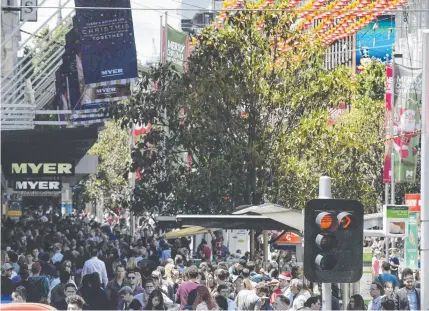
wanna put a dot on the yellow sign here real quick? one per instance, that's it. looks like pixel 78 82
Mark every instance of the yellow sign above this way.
pixel 14 213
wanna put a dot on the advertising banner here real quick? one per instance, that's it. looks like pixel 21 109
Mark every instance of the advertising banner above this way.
pixel 411 243
pixel 413 201
pixel 61 96
pixel 395 220
pixel 407 105
pixel 387 169
pixel 108 47
pixel 375 41
pixel 70 63
pixel 176 49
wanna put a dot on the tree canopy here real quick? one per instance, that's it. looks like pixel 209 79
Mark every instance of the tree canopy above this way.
pixel 249 122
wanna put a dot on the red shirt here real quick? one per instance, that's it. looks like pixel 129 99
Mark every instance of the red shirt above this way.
pixel 207 253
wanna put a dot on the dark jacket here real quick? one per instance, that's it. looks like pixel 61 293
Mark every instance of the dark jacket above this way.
pixel 401 299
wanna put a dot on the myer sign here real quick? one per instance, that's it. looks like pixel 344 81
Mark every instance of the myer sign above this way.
pixel 42 169
pixel 37 185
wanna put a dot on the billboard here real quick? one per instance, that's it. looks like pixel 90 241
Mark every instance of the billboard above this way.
pixel 107 42
pixel 376 40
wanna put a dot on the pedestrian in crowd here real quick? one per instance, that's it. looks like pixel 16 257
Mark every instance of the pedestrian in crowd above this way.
pixel 40 282
pixel 75 303
pixel 394 262
pixel 408 297
pixel 69 290
pixel 95 265
pixel 313 303
pixel 19 295
pixel 281 303
pixel 386 276
pixel 356 302
pixel 77 263
pixel 156 301
pixel 376 291
pixel 204 301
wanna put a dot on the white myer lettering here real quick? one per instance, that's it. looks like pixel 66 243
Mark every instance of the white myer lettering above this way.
pixel 106 90
pixel 112 72
pixel 42 169
pixel 41 185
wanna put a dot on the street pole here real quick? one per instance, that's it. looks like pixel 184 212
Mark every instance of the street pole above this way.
pixel 132 183
pixel 386 201
pixel 424 185
pixel 325 193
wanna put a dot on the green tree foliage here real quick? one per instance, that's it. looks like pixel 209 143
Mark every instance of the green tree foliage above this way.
pixel 351 151
pixel 113 151
pixel 241 98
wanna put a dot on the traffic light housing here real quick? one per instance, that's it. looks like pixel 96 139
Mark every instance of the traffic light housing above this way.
pixel 333 241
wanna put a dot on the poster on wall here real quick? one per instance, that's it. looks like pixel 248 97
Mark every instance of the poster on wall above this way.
pixel 375 41
pixel 395 220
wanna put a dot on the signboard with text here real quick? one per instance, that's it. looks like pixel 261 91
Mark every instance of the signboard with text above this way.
pixel 37 185
pixel 395 220
pixel 41 169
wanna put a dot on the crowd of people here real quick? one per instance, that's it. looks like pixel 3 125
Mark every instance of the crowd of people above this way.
pixel 75 263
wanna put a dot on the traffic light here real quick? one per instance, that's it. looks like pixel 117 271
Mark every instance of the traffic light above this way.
pixel 333 241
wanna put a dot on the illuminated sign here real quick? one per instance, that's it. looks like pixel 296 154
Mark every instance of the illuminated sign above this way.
pixel 42 169
pixel 37 185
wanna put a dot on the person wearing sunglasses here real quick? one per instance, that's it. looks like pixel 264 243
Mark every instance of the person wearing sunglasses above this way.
pixel 133 283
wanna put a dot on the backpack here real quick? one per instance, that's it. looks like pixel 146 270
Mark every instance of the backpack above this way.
pixel 39 289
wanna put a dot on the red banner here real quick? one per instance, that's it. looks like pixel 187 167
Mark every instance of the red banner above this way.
pixel 387 170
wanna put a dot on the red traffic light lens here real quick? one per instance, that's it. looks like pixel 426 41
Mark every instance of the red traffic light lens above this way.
pixel 326 262
pixel 346 220
pixel 326 242
pixel 327 222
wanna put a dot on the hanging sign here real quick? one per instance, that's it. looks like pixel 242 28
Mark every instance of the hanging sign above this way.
pixel 413 201
pixel 411 243
pixel 395 220
pixel 37 185
pixel 28 11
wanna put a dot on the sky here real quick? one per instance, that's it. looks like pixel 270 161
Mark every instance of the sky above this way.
pixel 146 23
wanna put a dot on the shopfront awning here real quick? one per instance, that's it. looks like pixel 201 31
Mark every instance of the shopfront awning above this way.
pixel 233 222
pixel 58 145
pixel 186 232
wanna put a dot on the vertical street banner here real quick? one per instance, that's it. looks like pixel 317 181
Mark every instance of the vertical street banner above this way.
pixel 407 106
pixel 387 168
pixel 411 243
pixel 61 96
pixel 70 63
pixel 176 50
pixel 108 47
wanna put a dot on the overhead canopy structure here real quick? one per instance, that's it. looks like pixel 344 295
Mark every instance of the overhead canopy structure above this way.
pixel 289 217
pixel 57 145
pixel 186 232
pixel 249 222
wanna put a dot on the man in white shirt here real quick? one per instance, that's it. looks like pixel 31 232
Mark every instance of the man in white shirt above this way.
pixel 95 265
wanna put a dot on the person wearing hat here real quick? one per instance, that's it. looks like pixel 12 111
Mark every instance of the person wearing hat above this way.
pixel 282 287
pixel 6 282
